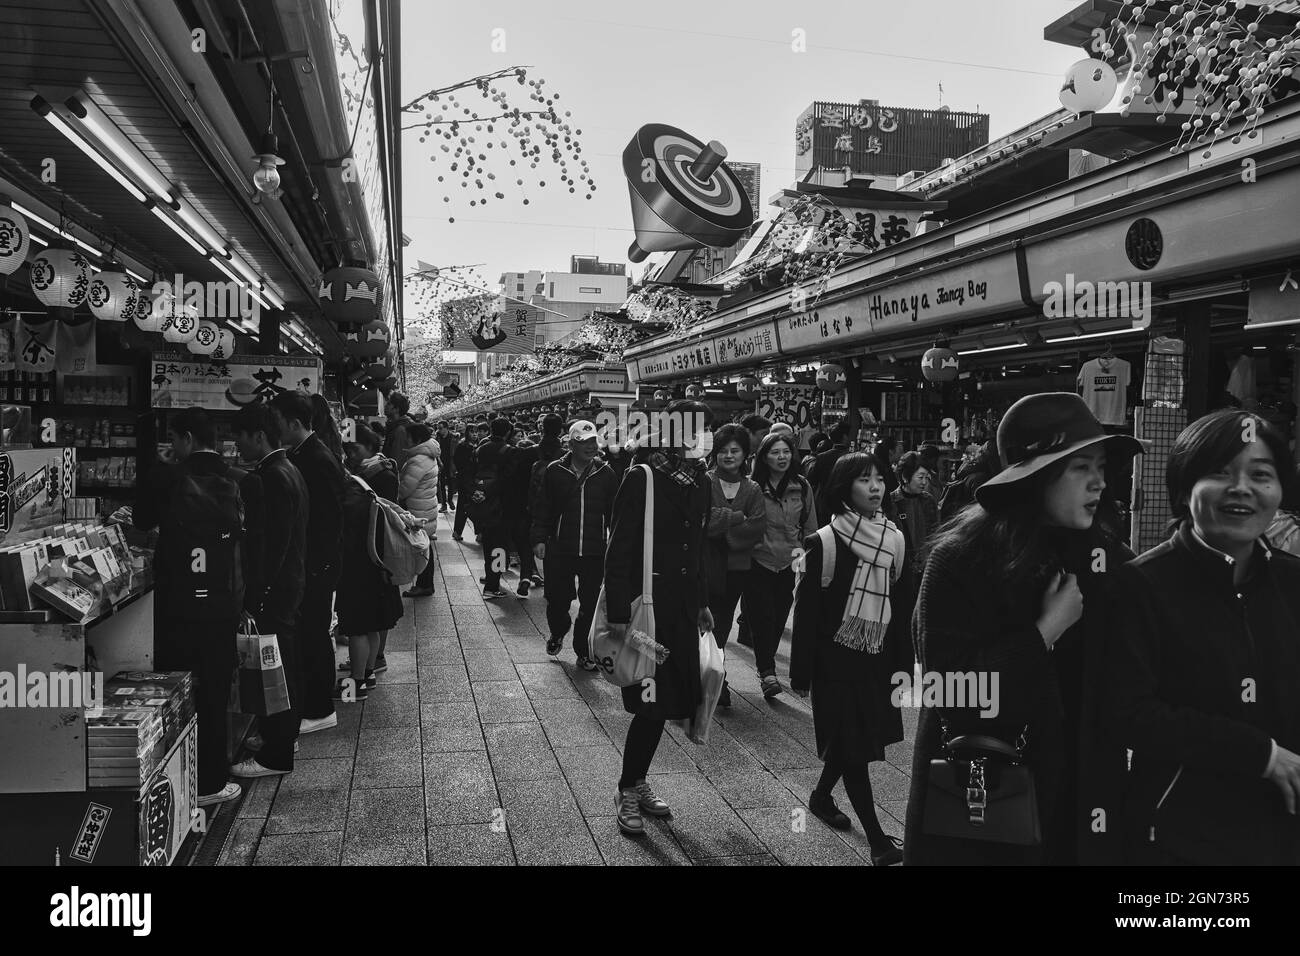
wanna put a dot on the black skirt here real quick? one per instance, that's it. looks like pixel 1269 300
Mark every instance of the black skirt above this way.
pixel 854 718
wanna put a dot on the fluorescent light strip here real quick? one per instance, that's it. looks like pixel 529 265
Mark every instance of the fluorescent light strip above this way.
pixel 94 154
pixel 258 296
pixel 1093 335
pixel 201 228
pixel 994 348
pixel 35 238
pixel 121 147
pixel 243 268
pixel 1271 325
pixel 176 228
pixel 137 277
pixel 216 261
pixel 274 299
pixel 55 229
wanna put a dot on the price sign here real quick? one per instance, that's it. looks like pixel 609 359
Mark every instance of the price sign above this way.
pixel 793 404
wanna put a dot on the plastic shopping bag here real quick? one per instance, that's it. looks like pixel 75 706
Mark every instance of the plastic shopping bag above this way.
pixel 263 686
pixel 712 672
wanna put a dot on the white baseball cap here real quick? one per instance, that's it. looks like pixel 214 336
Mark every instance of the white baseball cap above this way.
pixel 581 431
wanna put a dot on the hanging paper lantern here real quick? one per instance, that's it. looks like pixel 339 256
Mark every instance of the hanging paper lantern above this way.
pixel 695 390
pixel 379 369
pixel 61 278
pixel 747 388
pixel 830 378
pixel 15 238
pixel 1089 86
pixel 225 347
pixel 662 397
pixel 113 295
pixel 149 313
pixel 181 323
pixel 205 338
pixel 349 295
pixel 939 364
pixel 369 341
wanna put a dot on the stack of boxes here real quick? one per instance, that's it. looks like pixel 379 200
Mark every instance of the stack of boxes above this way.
pixel 95 553
pixel 143 716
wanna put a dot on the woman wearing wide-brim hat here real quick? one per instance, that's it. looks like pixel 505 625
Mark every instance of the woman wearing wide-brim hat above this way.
pixel 1017 587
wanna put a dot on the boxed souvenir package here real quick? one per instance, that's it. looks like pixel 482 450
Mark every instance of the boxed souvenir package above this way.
pixel 144 714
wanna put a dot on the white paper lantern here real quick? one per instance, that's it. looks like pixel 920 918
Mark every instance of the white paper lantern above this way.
pixel 205 339
pixel 15 239
pixel 225 346
pixel 181 324
pixel 61 278
pixel 148 316
pixel 1089 86
pixel 113 295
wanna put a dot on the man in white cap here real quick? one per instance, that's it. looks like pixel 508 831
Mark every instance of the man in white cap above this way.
pixel 571 517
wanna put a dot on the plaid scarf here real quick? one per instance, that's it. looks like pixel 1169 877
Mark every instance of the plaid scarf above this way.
pixel 879 547
pixel 684 471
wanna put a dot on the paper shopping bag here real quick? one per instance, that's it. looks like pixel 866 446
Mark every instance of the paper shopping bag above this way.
pixel 263 686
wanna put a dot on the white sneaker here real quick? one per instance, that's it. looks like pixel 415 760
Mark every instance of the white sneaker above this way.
pixel 309 725
pixel 230 791
pixel 251 768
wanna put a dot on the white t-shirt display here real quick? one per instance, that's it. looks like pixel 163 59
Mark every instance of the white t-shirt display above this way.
pixel 1105 384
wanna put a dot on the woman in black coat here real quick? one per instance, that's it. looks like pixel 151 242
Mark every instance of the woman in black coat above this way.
pixel 1206 665
pixel 682 498
pixel 853 715
pixel 1019 589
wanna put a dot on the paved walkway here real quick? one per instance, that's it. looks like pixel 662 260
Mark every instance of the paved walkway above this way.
pixel 478 748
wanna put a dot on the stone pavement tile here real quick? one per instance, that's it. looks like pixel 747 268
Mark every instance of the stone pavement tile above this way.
pixel 569 723
pixel 440 628
pixel 897 809
pixel 900 755
pixel 888 783
pixel 401 668
pixel 723 754
pixel 520 752
pixel 671 757
pixel 388 757
pixel 459 788
pixel 816 845
pixel 602 758
pixel 771 745
pixel 241 844
pixel 545 825
pixel 656 848
pixel 259 793
pixel 474 844
pixel 480 637
pixel 440 683
pixel 475 615
pixel 340 741
pixel 501 702
pixel 400 640
pixel 519 627
pixel 702 822
pixel 300 849
pixel 757 859
pixel 450 727
pixel 547 682
pixel 599 693
pixel 392 705
pixel 526 650
pixel 594 790
pixel 615 723
pixel 753 789
pixel 385 828
pixel 465 597
pixel 313 798
pixel 487 665
pixel 438 651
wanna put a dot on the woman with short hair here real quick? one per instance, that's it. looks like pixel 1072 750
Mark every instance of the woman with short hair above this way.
pixel 1205 664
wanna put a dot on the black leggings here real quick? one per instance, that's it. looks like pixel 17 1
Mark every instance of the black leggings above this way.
pixel 639 749
pixel 857 784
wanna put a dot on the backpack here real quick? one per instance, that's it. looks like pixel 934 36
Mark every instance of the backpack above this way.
pixel 396 540
pixel 827 537
pixel 205 520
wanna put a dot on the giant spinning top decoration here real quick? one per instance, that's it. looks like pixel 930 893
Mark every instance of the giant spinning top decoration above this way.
pixel 683 194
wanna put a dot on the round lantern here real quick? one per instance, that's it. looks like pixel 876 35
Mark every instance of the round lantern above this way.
pixel 747 389
pixel 148 314
pixel 830 378
pixel 225 346
pixel 15 238
pixel 205 338
pixel 349 295
pixel 939 364
pixel 368 341
pixel 113 295
pixel 1089 86
pixel 695 390
pixel 61 278
pixel 180 323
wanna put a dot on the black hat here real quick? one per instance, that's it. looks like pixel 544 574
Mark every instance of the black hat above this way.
pixel 1039 430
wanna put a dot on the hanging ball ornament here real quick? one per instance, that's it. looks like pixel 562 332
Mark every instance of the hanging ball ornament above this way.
pixel 1089 86
pixel 15 238
pixel 831 378
pixel 695 390
pixel 205 338
pixel 350 295
pixel 747 389
pixel 939 364
pixel 181 322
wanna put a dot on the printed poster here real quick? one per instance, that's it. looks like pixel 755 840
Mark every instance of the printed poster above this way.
pixel 180 381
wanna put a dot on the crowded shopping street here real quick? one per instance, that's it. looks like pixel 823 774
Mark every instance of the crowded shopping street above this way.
pixel 742 434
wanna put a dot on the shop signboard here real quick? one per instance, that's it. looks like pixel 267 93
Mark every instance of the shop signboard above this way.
pixel 698 358
pixel 177 381
pixel 794 404
pixel 605 381
pixel 748 346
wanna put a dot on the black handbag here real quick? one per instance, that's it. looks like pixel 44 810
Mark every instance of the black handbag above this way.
pixel 981 789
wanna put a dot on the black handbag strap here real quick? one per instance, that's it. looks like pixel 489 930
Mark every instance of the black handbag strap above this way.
pixel 981 745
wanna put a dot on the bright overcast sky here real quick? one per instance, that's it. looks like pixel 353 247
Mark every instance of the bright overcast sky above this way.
pixel 719 70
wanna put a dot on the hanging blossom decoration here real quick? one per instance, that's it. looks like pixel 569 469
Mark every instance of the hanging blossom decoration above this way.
pixel 1215 53
pixel 531 135
pixel 668 306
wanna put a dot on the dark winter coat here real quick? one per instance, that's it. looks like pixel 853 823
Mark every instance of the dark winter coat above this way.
pixel 277 594
pixel 325 478
pixel 961 492
pixel 571 517
pixel 966 620
pixel 463 464
pixel 679 582
pixel 1184 656
pixel 853 715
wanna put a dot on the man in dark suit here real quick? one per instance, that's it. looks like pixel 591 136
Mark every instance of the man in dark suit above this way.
pixel 323 475
pixel 274 589
pixel 193 634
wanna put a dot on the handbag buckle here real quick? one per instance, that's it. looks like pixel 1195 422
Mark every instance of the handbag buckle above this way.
pixel 976 795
